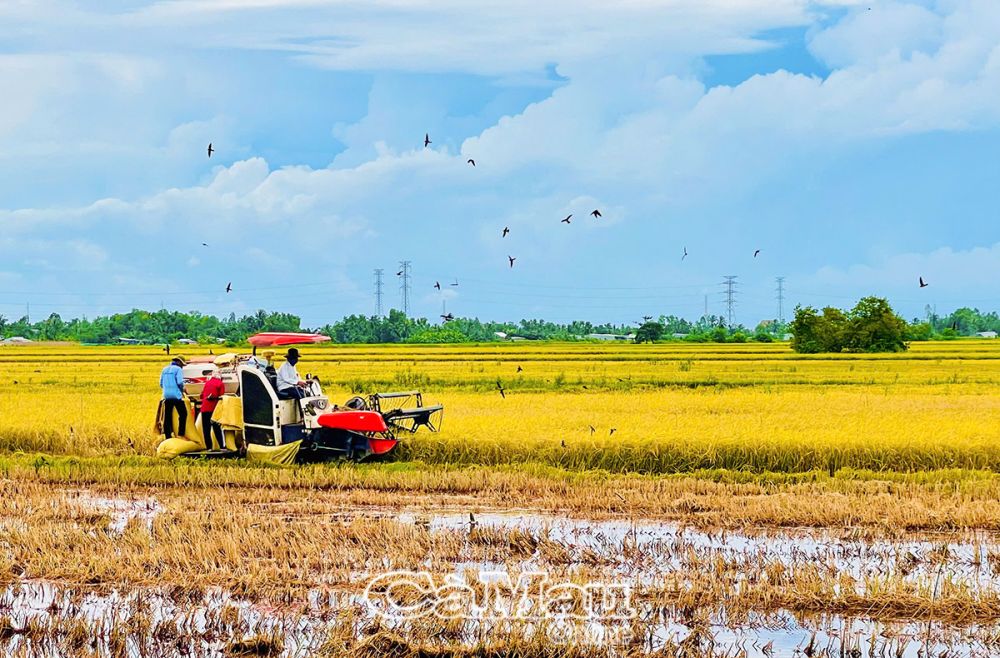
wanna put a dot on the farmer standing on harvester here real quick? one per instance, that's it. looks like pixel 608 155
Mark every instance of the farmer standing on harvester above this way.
pixel 212 392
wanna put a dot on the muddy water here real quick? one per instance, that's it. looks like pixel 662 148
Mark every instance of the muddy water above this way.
pixel 967 560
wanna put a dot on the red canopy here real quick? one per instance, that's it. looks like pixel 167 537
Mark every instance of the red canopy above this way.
pixel 275 338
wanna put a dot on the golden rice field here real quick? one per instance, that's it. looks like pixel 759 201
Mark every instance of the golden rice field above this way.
pixel 673 408
pixel 753 502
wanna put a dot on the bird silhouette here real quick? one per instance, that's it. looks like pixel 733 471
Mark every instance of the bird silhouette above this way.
pixel 210 149
pixel 685 253
pixel 399 273
pixel 647 318
pixel 511 259
pixel 592 430
pixel 427 140
pixel 923 284
pixel 471 162
pixel 204 244
pixel 566 220
pixel 447 317
pixel 229 287
pixel 596 213
pixel 500 388
pixel 437 284
pixel 613 430
pixel 755 253
pixel 506 230
pixel 520 369
pixel 456 282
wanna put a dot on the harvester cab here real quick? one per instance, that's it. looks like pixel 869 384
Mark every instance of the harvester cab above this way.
pixel 258 421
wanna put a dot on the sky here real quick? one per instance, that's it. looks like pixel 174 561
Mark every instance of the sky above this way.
pixel 852 142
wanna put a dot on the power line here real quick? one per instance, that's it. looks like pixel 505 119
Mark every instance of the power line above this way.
pixel 404 288
pixel 781 299
pixel 730 283
pixel 378 293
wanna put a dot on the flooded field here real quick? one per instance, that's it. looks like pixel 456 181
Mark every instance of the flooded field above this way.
pixel 677 589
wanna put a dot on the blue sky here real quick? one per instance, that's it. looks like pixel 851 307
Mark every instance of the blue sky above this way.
pixel 854 147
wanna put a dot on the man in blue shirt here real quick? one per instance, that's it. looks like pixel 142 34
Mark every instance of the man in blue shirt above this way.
pixel 172 383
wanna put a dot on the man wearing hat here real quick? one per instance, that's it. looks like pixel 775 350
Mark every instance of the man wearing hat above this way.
pixel 290 385
pixel 172 383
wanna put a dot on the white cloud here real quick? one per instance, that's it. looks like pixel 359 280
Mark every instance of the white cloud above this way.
pixel 954 278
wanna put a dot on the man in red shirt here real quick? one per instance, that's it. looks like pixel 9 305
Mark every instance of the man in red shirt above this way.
pixel 210 395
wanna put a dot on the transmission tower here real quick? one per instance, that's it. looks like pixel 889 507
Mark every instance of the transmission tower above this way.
pixel 730 283
pixel 404 287
pixel 781 299
pixel 378 293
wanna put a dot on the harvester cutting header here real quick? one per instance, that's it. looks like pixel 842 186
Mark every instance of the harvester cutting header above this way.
pixel 273 415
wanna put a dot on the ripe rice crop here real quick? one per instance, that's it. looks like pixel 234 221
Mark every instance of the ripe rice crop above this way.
pixel 674 408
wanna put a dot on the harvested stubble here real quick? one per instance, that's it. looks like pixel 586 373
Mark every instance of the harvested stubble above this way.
pixel 274 545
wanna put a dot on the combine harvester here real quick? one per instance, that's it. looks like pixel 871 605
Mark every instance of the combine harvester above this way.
pixel 258 425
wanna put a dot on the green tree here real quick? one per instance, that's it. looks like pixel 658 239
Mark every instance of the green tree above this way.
pixel 649 332
pixel 875 327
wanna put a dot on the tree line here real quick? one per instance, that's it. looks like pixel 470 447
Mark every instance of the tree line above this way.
pixel 828 329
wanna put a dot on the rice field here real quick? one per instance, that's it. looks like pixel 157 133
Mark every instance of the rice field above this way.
pixel 749 502
pixel 671 408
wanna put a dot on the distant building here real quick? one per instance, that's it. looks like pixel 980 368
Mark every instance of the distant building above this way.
pixel 127 341
pixel 678 335
pixel 187 341
pixel 987 334
pixel 609 337
pixel 787 337
pixel 16 340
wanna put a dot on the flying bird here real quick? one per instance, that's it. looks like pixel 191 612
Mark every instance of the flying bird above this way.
pixel 500 388
pixel 427 140
pixel 923 284
pixel 210 149
pixel 755 253
pixel 596 213
pixel 204 244
pixel 520 369
pixel 456 282
pixel 447 317
pixel 399 273
pixel 613 430
pixel 229 287
pixel 506 230
pixel 685 253
pixel 471 162
pixel 592 430
pixel 647 318
pixel 437 284
pixel 566 221
pixel 511 259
